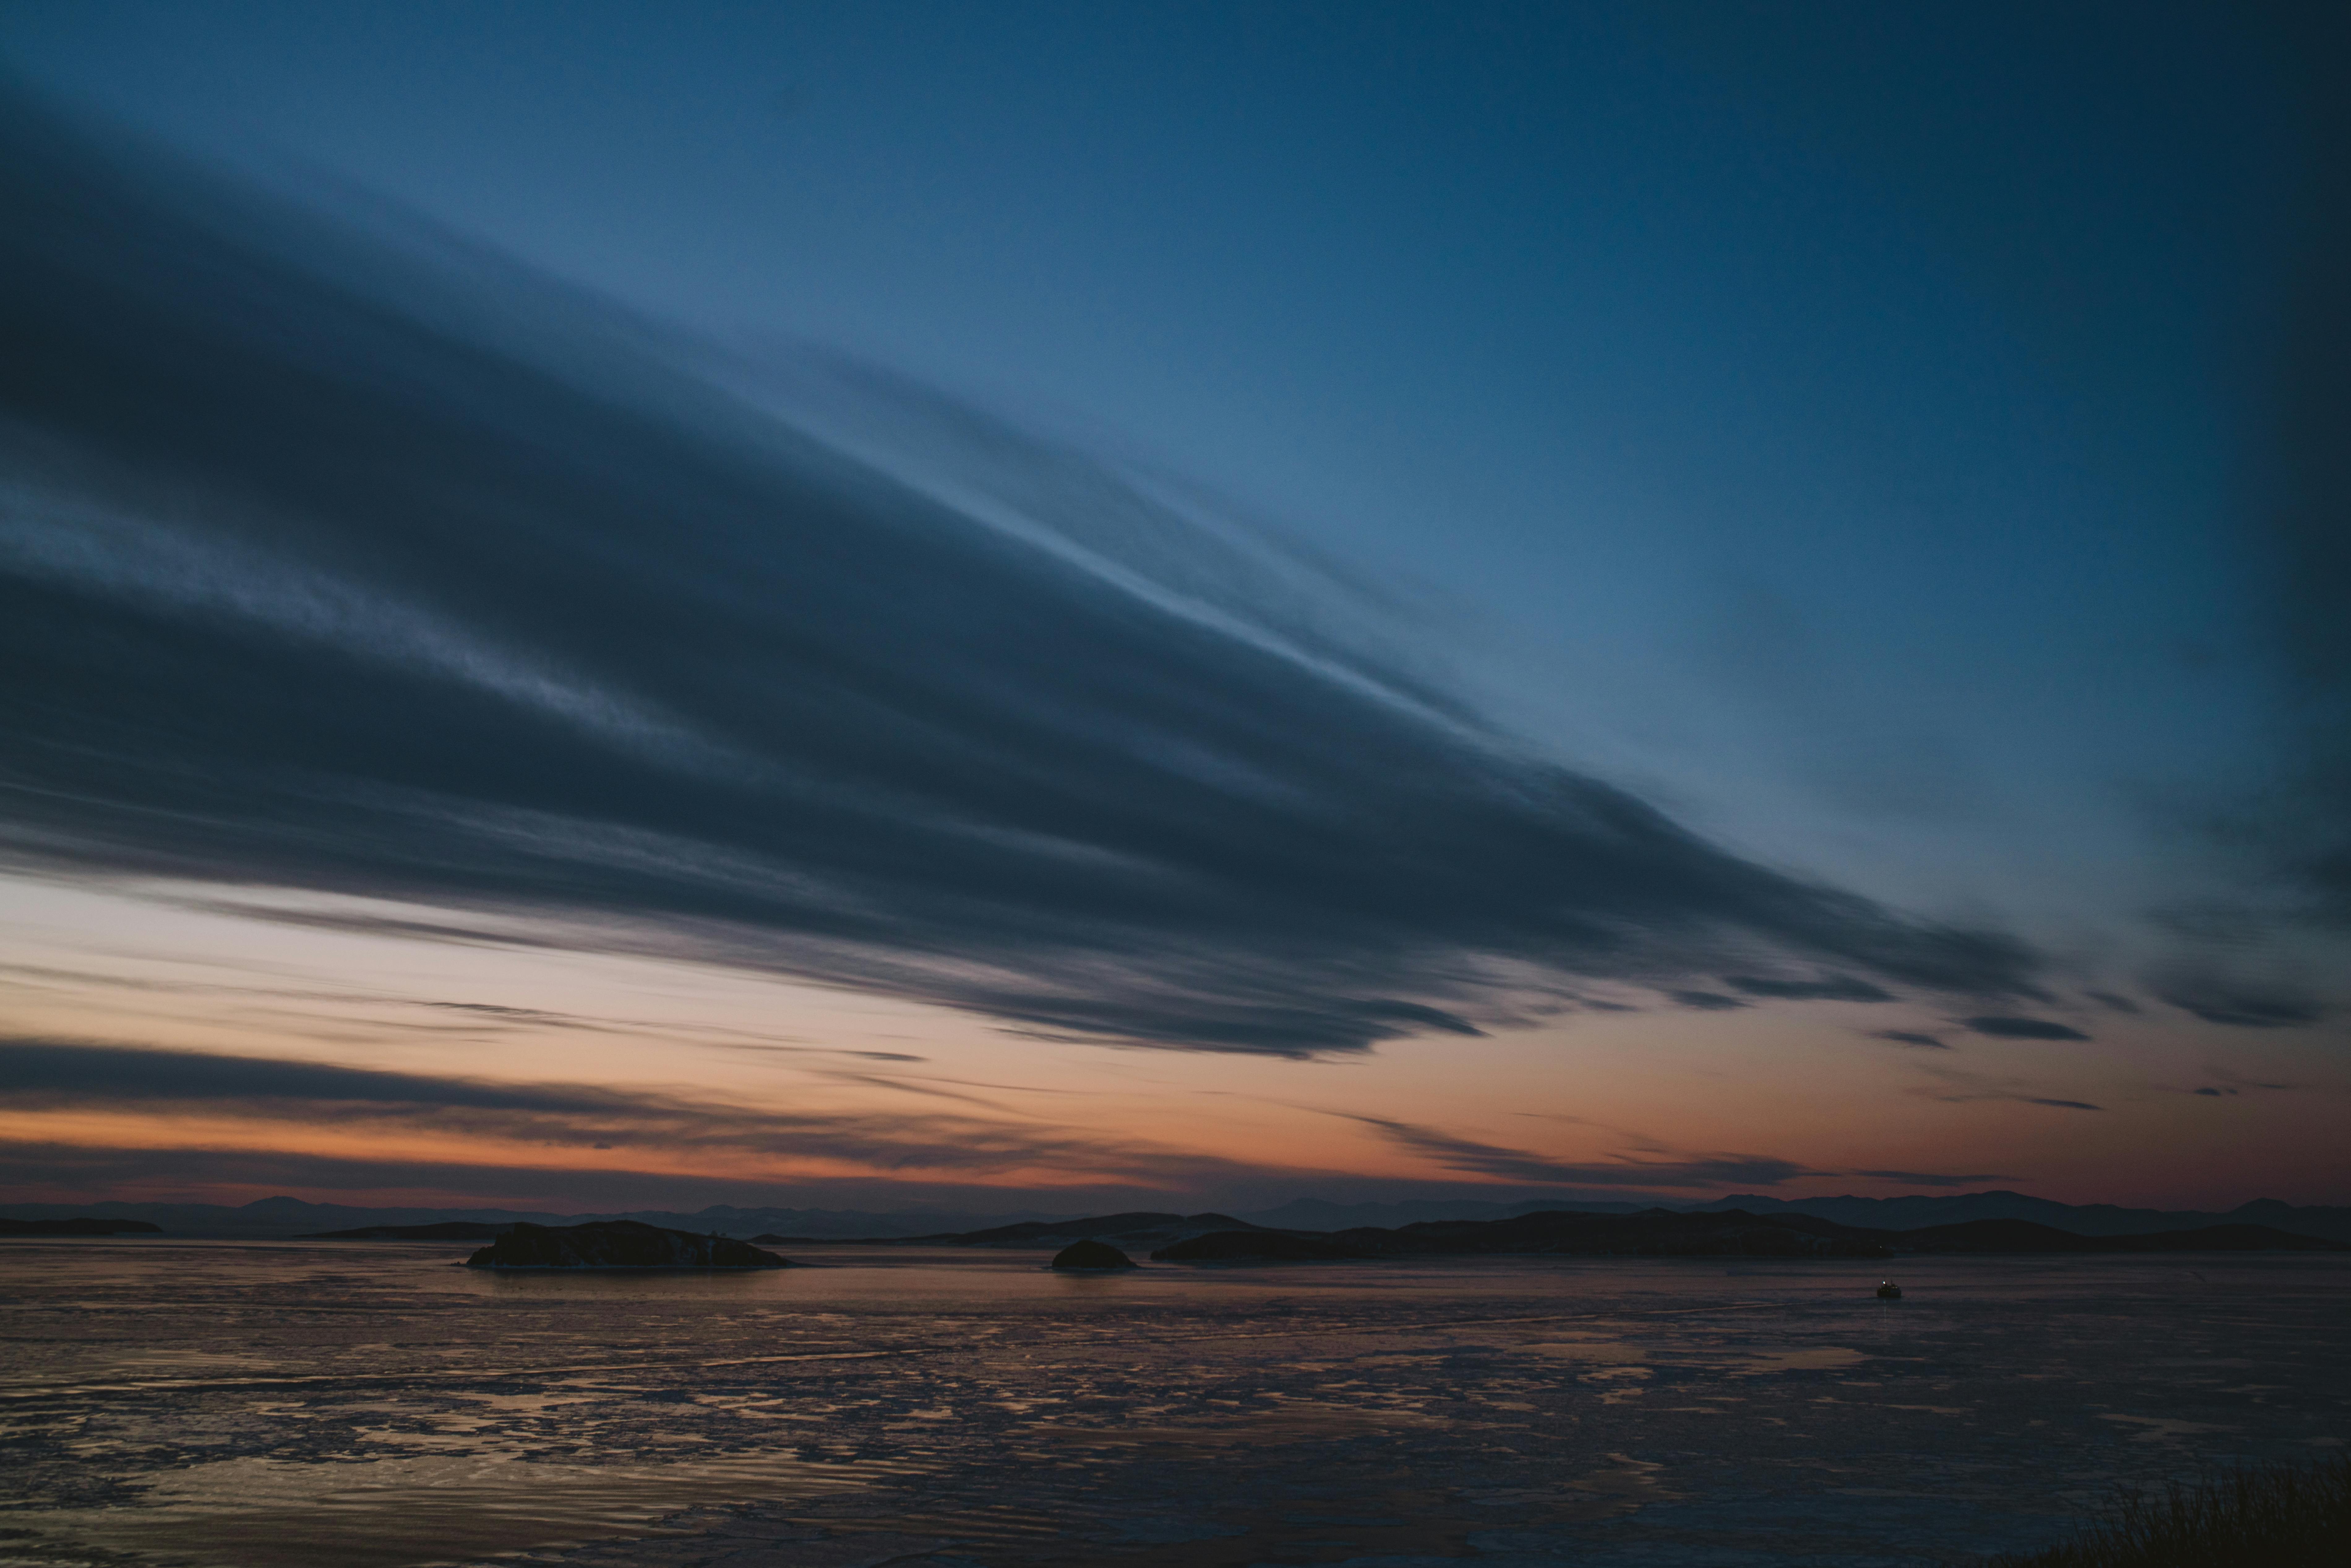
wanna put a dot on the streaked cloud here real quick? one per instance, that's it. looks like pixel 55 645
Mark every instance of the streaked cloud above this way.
pixel 2240 1004
pixel 40 1075
pixel 1954 1087
pixel 1825 988
pixel 437 587
pixel 2004 1027
pixel 1520 1166
pixel 1707 1001
pixel 1932 1178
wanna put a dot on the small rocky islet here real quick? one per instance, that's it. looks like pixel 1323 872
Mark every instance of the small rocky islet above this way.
pixel 619 1244
pixel 1091 1257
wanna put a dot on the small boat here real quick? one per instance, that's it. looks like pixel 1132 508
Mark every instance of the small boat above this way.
pixel 1887 1291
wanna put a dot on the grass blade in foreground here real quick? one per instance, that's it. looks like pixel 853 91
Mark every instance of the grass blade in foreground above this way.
pixel 2284 1518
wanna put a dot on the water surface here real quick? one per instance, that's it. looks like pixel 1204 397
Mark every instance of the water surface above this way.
pixel 224 1404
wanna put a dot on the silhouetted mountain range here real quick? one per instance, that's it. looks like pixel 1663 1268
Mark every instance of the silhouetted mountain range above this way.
pixel 1914 1212
pixel 1918 1212
pixel 79 1226
pixel 1142 1228
pixel 447 1230
pixel 288 1216
pixel 1707 1233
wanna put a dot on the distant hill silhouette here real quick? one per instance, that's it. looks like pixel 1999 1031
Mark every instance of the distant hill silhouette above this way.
pixel 1916 1212
pixel 618 1244
pixel 1652 1233
pixel 288 1216
pixel 1912 1212
pixel 447 1230
pixel 1666 1233
pixel 1138 1228
pixel 79 1226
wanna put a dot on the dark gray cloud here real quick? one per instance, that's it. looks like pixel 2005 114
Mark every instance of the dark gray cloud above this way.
pixel 2308 494
pixel 2001 1027
pixel 517 1015
pixel 1826 989
pixel 1707 1001
pixel 37 1171
pixel 913 1156
pixel 328 570
pixel 1953 1086
pixel 827 1051
pixel 1521 1166
pixel 2240 1004
pixel 41 1074
pixel 2226 1081
pixel 1909 1037
pixel 1934 1178
pixel 360 1011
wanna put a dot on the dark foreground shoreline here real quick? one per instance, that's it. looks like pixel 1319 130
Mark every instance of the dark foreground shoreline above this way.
pixel 2286 1516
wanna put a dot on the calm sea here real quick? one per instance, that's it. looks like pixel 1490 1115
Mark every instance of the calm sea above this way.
pixel 371 1406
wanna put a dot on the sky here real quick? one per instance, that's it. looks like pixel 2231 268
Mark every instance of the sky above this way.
pixel 996 606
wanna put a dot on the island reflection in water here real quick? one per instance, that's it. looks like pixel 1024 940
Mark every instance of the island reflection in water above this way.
pixel 368 1405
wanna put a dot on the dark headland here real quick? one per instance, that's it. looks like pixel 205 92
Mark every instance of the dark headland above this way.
pixel 79 1226
pixel 619 1244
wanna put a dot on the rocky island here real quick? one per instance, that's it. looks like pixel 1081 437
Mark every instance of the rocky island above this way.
pixel 619 1244
pixel 1091 1257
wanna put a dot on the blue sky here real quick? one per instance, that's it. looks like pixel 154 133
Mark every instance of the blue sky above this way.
pixel 1853 400
pixel 1843 428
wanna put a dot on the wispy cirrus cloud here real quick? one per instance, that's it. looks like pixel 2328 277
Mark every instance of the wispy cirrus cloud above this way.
pixel 354 1013
pixel 37 1170
pixel 1707 1001
pixel 2239 1002
pixel 1820 989
pixel 1933 1179
pixel 1953 1087
pixel 533 1138
pixel 324 570
pixel 2002 1027
pixel 1507 1164
pixel 42 1075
